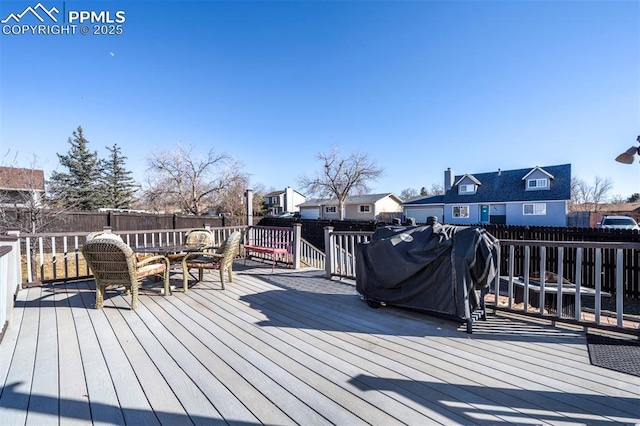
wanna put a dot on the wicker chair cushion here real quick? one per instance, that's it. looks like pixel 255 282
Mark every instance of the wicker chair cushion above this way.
pixel 152 269
pixel 204 263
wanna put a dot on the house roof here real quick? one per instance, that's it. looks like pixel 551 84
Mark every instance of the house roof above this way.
pixel 432 199
pixel 15 178
pixel 280 192
pixel 356 199
pixel 507 186
pixel 620 207
pixel 472 177
pixel 537 168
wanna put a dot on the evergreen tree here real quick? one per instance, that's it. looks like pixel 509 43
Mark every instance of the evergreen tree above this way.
pixel 79 188
pixel 118 184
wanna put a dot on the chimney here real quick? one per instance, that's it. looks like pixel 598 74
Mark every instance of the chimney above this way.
pixel 499 172
pixel 448 179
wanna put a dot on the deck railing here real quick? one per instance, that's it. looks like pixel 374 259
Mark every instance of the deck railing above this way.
pixel 340 251
pixel 50 257
pixel 581 302
pixel 57 257
pixel 9 278
pixel 310 256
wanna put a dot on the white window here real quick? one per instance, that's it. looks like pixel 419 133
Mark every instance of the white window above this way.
pixel 538 183
pixel 330 209
pixel 364 208
pixel 460 211
pixel 466 189
pixel 534 209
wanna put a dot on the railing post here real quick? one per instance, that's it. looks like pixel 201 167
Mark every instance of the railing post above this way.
pixel 328 250
pixel 17 256
pixel 10 276
pixel 249 199
pixel 297 237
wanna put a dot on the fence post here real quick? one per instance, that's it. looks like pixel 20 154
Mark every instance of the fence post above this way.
pixel 297 236
pixel 249 198
pixel 328 252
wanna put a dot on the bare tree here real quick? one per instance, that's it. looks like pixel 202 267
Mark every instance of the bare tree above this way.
pixel 341 177
pixel 409 193
pixel 185 181
pixel 233 201
pixel 589 198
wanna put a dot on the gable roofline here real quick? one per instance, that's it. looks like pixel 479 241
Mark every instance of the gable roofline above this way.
pixel 507 185
pixel 353 199
pixel 549 175
pixel 470 176
pixel 430 200
pixel 282 191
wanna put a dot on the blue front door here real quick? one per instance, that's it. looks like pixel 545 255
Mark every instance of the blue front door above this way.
pixel 484 214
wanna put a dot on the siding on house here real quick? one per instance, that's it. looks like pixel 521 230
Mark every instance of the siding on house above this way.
pixel 422 208
pixel 500 197
pixel 378 204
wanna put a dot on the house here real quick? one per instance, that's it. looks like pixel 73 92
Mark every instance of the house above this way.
pixel 286 201
pixel 420 209
pixel 586 219
pixel 537 196
pixel 21 187
pixel 358 207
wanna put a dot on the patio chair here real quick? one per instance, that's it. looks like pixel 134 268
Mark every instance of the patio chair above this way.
pixel 222 260
pixel 113 262
pixel 196 238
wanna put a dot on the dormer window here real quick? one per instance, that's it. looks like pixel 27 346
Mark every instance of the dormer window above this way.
pixel 467 189
pixel 538 183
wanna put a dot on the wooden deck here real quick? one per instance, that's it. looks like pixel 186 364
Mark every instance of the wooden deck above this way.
pixel 291 348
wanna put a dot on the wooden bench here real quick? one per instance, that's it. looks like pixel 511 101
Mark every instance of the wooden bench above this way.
pixel 275 250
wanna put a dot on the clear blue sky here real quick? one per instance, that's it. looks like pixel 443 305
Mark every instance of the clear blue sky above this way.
pixel 419 85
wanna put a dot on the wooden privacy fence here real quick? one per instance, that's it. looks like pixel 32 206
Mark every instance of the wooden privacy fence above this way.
pixel 124 221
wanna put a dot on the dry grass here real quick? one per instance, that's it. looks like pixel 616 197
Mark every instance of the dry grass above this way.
pixel 62 268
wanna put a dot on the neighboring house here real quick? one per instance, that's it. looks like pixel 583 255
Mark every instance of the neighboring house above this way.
pixel 359 207
pixel 420 209
pixel 21 187
pixel 286 201
pixel 592 219
pixel 537 196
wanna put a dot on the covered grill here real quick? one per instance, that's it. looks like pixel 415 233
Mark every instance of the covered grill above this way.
pixel 439 268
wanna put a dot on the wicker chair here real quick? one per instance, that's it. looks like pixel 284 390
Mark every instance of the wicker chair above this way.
pixel 197 238
pixel 222 260
pixel 113 262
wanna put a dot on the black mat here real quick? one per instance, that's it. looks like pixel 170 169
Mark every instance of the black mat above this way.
pixel 614 354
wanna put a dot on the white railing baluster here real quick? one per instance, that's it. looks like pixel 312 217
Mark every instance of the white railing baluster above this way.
pixel 598 283
pixel 578 282
pixel 619 288
pixel 543 273
pixel 560 280
pixel 29 253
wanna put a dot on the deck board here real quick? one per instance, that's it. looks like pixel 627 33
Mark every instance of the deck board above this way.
pixel 45 375
pixel 74 404
pixel 291 347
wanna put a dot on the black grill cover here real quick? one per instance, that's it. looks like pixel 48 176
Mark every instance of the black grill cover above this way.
pixel 437 268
